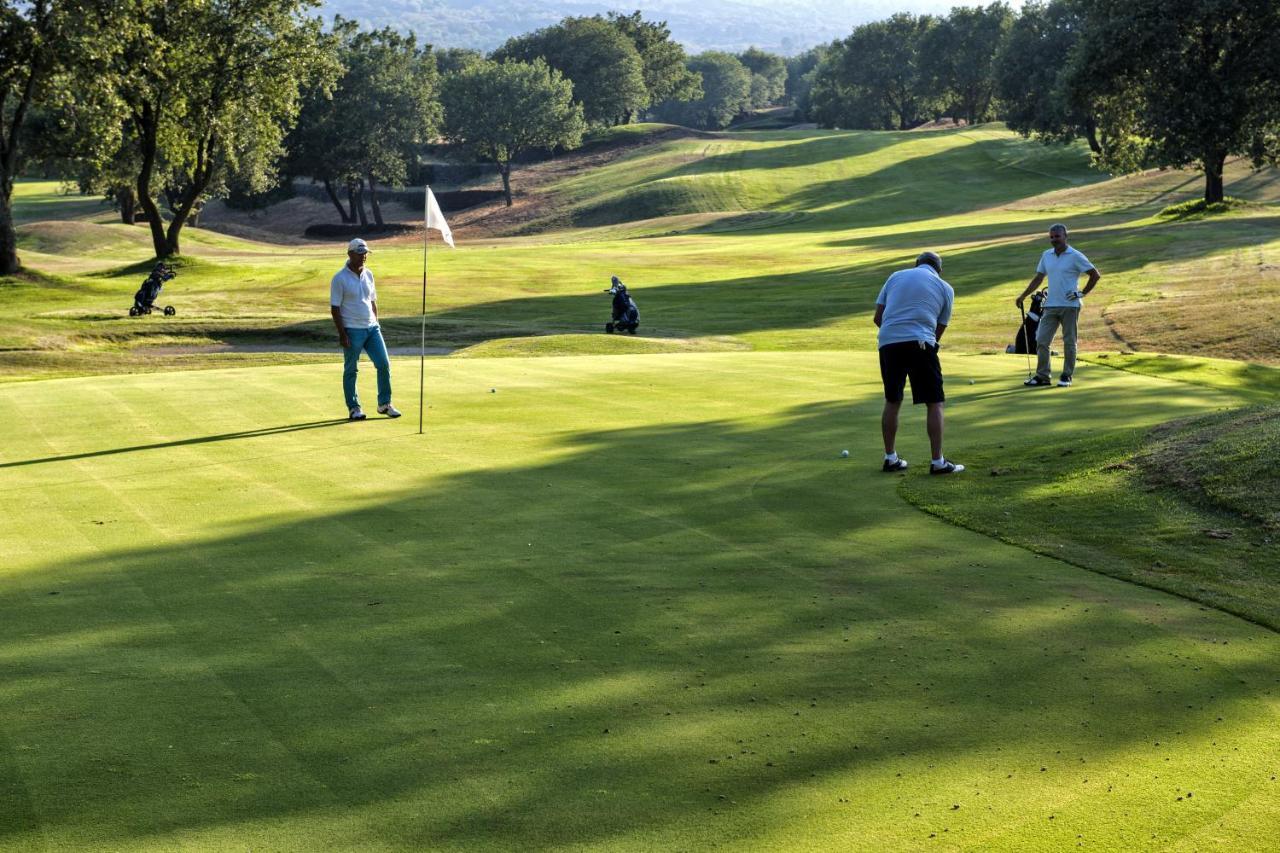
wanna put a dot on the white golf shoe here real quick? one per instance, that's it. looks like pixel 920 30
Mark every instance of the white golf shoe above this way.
pixel 389 410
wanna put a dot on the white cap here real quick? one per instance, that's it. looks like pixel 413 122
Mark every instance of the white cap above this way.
pixel 358 246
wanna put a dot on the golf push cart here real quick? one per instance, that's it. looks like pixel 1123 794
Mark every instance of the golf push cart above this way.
pixel 144 301
pixel 626 316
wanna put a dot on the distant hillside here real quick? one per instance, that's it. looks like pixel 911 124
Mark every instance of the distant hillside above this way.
pixel 785 26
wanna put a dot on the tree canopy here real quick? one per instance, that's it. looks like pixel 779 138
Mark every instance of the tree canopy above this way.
pixel 1183 83
pixel 957 55
pixel 768 76
pixel 383 109
pixel 726 91
pixel 211 87
pixel 602 64
pixel 666 75
pixel 499 110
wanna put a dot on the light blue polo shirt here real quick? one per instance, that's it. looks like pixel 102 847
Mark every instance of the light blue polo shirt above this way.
pixel 916 302
pixel 1063 272
pixel 354 295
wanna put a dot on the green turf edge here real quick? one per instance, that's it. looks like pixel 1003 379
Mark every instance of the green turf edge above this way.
pixel 1088 502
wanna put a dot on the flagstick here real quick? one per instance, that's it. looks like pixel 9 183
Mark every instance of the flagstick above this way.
pixel 422 358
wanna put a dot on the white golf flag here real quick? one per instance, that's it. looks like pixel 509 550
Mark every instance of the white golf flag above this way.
pixel 435 218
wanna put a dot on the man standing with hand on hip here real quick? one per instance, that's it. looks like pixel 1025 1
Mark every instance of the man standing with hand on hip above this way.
pixel 912 312
pixel 353 302
pixel 1063 266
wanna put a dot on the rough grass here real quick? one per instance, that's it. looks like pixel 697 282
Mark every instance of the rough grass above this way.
pixel 1226 461
pixel 1189 507
pixel 1200 207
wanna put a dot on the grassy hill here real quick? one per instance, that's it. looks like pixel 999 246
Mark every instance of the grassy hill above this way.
pixel 755 240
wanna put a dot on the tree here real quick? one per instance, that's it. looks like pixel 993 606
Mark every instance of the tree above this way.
pixel 726 88
pixel 1187 82
pixel 1029 69
pixel 666 75
pixel 802 70
pixel 872 79
pixel 386 106
pixel 210 87
pixel 956 57
pixel 601 63
pixel 48 52
pixel 768 76
pixel 450 60
pixel 498 110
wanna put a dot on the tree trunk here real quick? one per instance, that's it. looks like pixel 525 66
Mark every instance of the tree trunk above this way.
pixel 373 200
pixel 350 218
pixel 504 169
pixel 358 201
pixel 127 203
pixel 1091 134
pixel 8 237
pixel 333 197
pixel 186 204
pixel 1214 163
pixel 147 124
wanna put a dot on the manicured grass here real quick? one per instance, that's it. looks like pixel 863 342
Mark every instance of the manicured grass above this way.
pixel 622 603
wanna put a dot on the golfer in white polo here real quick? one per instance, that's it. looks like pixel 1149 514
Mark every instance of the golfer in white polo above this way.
pixel 353 302
pixel 1063 266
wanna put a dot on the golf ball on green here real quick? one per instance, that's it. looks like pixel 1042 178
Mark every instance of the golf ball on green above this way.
pixel 844 454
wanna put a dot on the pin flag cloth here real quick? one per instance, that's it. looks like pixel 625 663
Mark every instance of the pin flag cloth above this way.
pixel 434 219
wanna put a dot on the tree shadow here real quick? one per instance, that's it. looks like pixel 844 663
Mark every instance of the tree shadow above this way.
pixel 646 635
pixel 182 442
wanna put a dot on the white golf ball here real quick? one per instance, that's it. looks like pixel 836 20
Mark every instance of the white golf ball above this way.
pixel 844 454
pixel 972 381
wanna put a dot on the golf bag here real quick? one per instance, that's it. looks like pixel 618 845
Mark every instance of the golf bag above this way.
pixel 626 316
pixel 1025 341
pixel 144 301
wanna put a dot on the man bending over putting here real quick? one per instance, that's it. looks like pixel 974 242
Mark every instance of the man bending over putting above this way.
pixel 353 302
pixel 1063 265
pixel 912 311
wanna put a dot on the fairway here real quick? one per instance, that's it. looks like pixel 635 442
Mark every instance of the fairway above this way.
pixel 606 603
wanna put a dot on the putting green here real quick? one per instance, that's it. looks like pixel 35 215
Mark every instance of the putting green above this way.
pixel 618 603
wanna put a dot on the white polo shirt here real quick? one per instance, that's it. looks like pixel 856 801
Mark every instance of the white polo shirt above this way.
pixel 1063 272
pixel 354 295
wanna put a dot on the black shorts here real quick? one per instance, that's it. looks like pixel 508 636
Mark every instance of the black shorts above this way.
pixel 908 360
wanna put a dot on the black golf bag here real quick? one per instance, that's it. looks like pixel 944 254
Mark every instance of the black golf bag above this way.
pixel 626 316
pixel 1025 342
pixel 144 301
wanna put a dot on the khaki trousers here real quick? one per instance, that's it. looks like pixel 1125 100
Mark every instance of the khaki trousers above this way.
pixel 1051 319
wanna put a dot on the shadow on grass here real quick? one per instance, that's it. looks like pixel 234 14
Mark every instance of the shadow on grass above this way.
pixel 656 631
pixel 184 442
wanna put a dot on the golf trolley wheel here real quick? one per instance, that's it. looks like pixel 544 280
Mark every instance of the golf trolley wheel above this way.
pixel 134 312
pixel 631 330
pixel 608 327
pixel 169 311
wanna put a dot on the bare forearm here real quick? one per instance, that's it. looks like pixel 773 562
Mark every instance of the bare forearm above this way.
pixel 336 312
pixel 1035 282
pixel 1094 275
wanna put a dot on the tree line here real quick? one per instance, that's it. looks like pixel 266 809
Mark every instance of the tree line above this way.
pixel 1146 83
pixel 160 105
pixel 167 103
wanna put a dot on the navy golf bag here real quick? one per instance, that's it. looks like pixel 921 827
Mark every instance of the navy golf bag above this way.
pixel 1025 342
pixel 144 301
pixel 626 316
